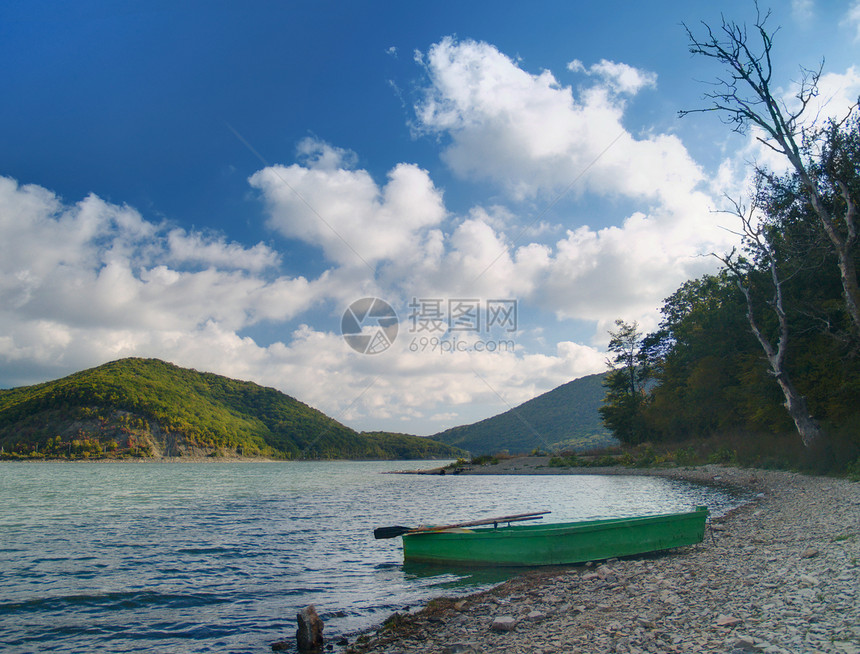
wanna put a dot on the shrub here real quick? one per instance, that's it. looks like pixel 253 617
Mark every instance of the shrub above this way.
pixel 723 455
pixel 565 461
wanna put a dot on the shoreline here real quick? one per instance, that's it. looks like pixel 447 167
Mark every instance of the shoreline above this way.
pixel 778 574
pixel 208 459
pixel 142 459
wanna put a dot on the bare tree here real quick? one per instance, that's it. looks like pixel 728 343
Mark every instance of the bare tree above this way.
pixel 765 258
pixel 745 98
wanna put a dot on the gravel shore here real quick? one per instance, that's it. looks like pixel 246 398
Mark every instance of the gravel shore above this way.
pixel 778 575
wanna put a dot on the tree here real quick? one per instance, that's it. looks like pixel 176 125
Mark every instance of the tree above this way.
pixel 823 159
pixel 759 241
pixel 625 384
pixel 836 172
pixel 706 365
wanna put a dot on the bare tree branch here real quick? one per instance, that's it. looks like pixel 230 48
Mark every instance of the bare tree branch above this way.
pixel 745 98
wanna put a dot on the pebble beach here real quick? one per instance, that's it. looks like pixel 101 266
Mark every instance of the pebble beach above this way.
pixel 780 574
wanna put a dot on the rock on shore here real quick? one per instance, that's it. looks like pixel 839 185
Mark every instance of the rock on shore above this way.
pixel 778 575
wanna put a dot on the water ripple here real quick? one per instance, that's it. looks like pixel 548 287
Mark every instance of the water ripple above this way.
pixel 220 557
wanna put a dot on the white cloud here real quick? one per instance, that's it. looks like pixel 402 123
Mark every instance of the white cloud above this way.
pixel 837 92
pixel 619 77
pixel 314 153
pixel 212 250
pixel 344 211
pixel 529 134
pixel 852 19
pixel 97 276
pixel 626 271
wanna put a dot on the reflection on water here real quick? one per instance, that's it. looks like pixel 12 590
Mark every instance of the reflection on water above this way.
pixel 453 577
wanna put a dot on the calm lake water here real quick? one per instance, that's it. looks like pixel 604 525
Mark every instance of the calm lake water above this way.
pixel 219 557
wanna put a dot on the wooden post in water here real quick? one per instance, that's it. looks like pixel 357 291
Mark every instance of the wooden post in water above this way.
pixel 309 635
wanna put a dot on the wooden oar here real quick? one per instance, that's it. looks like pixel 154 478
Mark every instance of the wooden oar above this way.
pixel 394 532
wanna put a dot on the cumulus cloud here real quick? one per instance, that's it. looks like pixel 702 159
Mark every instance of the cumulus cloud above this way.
pixel 98 276
pixel 530 134
pixel 326 203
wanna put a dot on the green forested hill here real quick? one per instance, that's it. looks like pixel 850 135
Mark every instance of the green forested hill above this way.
pixel 565 418
pixel 147 407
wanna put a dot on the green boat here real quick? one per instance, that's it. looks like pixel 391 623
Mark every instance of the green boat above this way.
pixel 553 544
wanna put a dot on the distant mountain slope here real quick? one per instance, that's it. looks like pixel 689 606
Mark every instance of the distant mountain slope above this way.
pixel 564 418
pixel 147 407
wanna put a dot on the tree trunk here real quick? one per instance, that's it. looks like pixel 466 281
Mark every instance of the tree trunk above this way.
pixel 848 272
pixel 795 404
pixel 842 245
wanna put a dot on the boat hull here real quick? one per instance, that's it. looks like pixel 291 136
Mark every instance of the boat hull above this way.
pixel 575 542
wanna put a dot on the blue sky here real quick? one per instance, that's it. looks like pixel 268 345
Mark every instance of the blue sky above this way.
pixel 215 183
